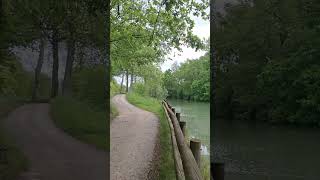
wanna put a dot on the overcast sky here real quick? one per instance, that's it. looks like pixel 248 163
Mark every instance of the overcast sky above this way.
pixel 202 30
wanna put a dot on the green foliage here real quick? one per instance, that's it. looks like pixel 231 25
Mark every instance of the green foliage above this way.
pixel 190 80
pixel 205 167
pixel 293 90
pixel 14 81
pixel 167 169
pixel 81 121
pixel 8 72
pixel 152 82
pixel 114 88
pixel 152 89
pixel 143 32
pixel 153 26
pixel 88 86
pixel 267 54
pixel 139 88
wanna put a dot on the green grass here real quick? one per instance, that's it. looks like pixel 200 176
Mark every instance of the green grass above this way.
pixel 80 121
pixel 166 168
pixel 114 111
pixel 205 167
pixel 17 162
pixel 114 90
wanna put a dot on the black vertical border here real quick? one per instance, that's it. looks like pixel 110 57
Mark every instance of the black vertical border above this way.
pixel 212 78
pixel 107 64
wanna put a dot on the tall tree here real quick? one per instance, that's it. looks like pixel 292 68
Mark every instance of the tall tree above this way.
pixel 38 70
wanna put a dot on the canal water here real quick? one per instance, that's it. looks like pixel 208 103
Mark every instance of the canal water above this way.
pixel 257 151
pixel 197 117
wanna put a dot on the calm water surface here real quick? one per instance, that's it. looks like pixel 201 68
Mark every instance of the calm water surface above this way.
pixel 197 117
pixel 264 152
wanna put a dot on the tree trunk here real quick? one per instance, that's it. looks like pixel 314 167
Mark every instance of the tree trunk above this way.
pixel 131 80
pixel 127 82
pixel 81 55
pixel 121 85
pixel 55 66
pixel 37 71
pixel 67 89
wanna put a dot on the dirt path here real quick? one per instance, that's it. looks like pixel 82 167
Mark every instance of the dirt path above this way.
pixel 134 140
pixel 53 155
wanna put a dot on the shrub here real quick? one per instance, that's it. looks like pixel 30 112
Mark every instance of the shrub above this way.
pixel 88 86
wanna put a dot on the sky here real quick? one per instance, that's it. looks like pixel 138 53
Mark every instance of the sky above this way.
pixel 202 30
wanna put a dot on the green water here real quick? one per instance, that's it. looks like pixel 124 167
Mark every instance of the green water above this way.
pixel 197 117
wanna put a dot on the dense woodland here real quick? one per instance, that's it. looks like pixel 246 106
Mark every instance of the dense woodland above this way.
pixel 189 80
pixel 267 60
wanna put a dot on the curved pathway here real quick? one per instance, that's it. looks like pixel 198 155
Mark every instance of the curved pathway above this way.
pixel 53 155
pixel 134 140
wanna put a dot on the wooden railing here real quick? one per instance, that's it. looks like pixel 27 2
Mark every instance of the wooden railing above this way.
pixel 187 162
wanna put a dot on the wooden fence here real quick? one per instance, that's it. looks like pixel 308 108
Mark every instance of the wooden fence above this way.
pixel 186 161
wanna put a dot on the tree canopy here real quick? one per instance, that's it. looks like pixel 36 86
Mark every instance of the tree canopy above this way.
pixel 144 32
pixel 189 80
pixel 267 54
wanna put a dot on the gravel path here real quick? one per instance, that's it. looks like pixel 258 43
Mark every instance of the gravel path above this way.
pixel 134 142
pixel 53 155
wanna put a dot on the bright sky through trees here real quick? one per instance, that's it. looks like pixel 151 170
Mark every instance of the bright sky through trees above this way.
pixel 202 30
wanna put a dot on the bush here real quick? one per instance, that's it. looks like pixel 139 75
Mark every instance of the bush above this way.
pixel 292 88
pixel 114 88
pixel 88 86
pixel 15 81
pixel 139 88
pixel 152 90
pixel 81 121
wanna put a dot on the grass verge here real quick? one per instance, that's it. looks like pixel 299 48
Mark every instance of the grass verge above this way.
pixel 205 167
pixel 166 168
pixel 114 111
pixel 16 160
pixel 81 121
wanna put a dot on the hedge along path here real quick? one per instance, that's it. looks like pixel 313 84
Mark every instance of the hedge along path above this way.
pixel 190 166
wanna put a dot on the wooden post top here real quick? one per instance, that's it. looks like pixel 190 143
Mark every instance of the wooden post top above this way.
pixel 195 140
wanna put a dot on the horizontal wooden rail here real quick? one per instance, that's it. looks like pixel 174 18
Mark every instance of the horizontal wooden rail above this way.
pixel 190 166
pixel 176 153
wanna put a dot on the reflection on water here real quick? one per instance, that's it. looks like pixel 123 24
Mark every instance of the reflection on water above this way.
pixel 204 150
pixel 265 152
pixel 197 117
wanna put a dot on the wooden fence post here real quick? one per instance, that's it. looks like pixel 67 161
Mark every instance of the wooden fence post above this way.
pixel 195 146
pixel 178 116
pixel 3 155
pixel 183 127
pixel 217 171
